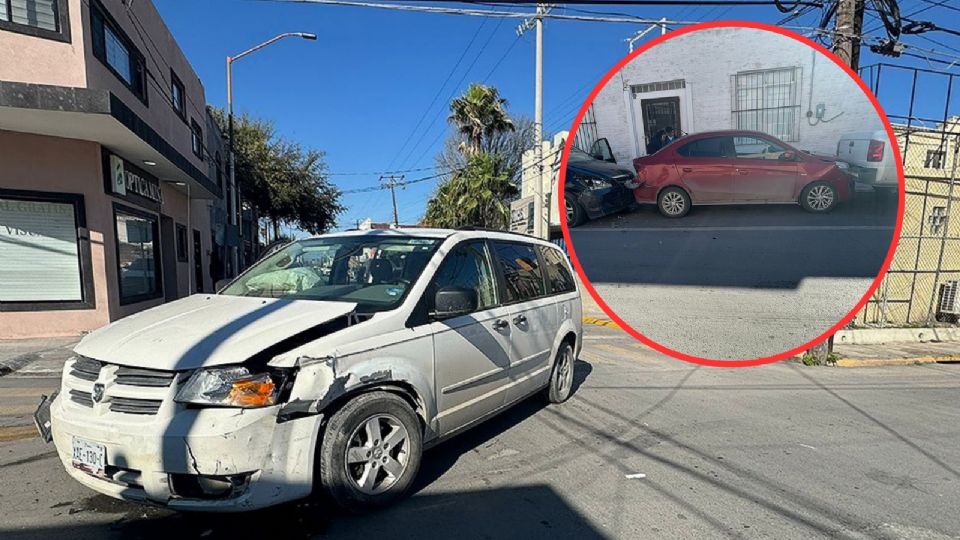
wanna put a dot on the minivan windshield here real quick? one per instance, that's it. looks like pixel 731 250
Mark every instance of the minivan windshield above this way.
pixel 375 271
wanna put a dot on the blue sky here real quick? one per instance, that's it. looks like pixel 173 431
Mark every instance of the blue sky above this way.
pixel 359 90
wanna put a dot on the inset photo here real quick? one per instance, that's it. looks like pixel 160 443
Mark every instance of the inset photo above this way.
pixel 730 203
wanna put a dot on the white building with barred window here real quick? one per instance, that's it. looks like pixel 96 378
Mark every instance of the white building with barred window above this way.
pixel 732 78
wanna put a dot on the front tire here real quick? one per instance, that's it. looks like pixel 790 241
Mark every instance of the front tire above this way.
pixel 560 387
pixel 575 213
pixel 818 197
pixel 673 202
pixel 371 451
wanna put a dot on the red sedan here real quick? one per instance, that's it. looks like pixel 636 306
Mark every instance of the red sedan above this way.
pixel 737 167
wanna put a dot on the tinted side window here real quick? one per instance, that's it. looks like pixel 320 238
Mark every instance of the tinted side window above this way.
pixel 468 266
pixel 709 147
pixel 521 271
pixel 557 271
pixel 755 148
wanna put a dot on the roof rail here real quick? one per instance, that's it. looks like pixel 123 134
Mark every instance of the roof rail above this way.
pixel 490 229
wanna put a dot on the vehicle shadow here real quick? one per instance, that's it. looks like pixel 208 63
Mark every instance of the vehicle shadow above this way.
pixel 525 511
pixel 744 246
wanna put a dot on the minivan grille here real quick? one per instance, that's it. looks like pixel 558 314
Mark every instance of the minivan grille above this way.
pixel 86 369
pixel 83 398
pixel 144 377
pixel 134 405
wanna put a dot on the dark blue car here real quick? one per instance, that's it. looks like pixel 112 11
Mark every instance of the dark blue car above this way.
pixel 595 185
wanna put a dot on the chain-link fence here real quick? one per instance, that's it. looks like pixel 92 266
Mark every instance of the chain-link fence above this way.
pixel 927 260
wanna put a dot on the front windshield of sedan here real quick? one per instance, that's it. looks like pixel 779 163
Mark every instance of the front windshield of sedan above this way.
pixel 577 155
pixel 373 271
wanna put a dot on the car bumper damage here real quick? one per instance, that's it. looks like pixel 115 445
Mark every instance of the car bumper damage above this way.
pixel 209 459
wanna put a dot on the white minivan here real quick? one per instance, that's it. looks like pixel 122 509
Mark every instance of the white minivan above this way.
pixel 332 363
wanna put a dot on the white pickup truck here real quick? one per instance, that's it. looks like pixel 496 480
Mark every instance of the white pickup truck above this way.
pixel 871 159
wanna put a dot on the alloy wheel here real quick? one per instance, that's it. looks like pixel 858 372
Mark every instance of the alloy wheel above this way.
pixel 571 211
pixel 820 197
pixel 672 203
pixel 377 454
pixel 565 371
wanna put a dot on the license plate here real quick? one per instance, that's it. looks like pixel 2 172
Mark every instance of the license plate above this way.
pixel 89 456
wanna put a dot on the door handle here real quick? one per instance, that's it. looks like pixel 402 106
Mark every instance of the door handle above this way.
pixel 687 169
pixel 500 324
pixel 520 319
pixel 741 171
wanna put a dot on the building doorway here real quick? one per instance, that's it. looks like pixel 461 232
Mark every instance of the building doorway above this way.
pixel 658 114
pixel 168 258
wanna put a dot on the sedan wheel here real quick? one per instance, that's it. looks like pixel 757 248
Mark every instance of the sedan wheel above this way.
pixel 673 202
pixel 818 197
pixel 574 212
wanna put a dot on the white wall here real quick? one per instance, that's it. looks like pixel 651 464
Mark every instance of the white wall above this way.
pixel 707 60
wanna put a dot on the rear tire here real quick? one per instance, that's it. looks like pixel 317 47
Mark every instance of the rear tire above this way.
pixel 575 213
pixel 560 387
pixel 371 451
pixel 673 202
pixel 818 197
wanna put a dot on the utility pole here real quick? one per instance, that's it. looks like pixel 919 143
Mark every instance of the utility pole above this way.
pixel 543 217
pixel 392 184
pixel 847 28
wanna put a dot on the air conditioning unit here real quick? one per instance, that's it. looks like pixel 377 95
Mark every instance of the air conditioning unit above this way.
pixel 948 309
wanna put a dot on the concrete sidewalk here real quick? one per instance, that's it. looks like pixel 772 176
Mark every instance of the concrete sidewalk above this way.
pixel 37 357
pixel 897 353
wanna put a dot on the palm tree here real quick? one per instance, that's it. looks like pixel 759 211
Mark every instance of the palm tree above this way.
pixel 479 114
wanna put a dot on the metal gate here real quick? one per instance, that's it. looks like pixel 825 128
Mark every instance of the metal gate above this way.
pixel 928 254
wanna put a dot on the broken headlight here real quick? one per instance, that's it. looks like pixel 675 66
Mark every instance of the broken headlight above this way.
pixel 233 386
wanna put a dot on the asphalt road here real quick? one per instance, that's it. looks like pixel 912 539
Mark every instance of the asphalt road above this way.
pixel 778 451
pixel 736 282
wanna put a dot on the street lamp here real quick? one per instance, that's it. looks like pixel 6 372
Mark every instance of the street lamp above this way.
pixel 235 202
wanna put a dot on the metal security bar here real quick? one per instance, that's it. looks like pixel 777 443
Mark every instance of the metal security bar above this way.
pixel 927 260
pixel 768 101
pixel 586 131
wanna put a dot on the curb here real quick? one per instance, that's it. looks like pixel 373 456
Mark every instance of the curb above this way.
pixel 867 362
pixel 18 362
pixel 600 322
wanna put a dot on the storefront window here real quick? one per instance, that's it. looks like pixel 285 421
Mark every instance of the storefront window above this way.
pixel 137 256
pixel 39 251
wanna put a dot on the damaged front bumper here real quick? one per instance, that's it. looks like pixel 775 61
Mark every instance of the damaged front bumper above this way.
pixel 200 459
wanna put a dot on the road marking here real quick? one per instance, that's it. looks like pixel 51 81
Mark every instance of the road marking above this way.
pixel 635 476
pixel 600 322
pixel 750 228
pixel 17 433
pixel 26 392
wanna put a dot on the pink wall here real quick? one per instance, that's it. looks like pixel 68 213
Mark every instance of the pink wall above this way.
pixel 40 163
pixel 43 61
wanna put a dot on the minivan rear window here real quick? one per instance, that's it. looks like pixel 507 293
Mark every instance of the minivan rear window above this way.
pixel 521 271
pixel 557 270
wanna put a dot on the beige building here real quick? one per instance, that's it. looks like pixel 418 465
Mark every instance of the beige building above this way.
pixel 928 253
pixel 112 185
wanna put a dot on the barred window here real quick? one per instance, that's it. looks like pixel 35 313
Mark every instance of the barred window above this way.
pixel 768 101
pixel 934 159
pixel 658 86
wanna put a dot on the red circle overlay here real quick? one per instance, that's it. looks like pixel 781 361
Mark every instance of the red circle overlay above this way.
pixel 706 361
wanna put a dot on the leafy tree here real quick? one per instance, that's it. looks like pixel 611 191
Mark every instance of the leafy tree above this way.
pixel 475 196
pixel 479 114
pixel 509 145
pixel 284 182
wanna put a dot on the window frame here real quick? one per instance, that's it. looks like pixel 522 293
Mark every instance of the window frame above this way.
pixel 760 106
pixel 177 84
pixel 935 159
pixel 430 291
pixel 501 277
pixel 138 65
pixel 196 138
pixel 158 266
pixel 62 15
pixel 84 258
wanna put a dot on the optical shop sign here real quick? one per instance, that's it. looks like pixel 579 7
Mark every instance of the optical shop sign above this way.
pixel 129 182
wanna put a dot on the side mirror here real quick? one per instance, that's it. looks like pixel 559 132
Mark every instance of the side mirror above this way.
pixel 221 284
pixel 454 301
pixel 789 155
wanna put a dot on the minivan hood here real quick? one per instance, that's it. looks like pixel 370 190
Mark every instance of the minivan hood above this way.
pixel 205 330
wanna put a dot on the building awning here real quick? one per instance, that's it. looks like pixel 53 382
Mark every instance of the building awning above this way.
pixel 98 116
